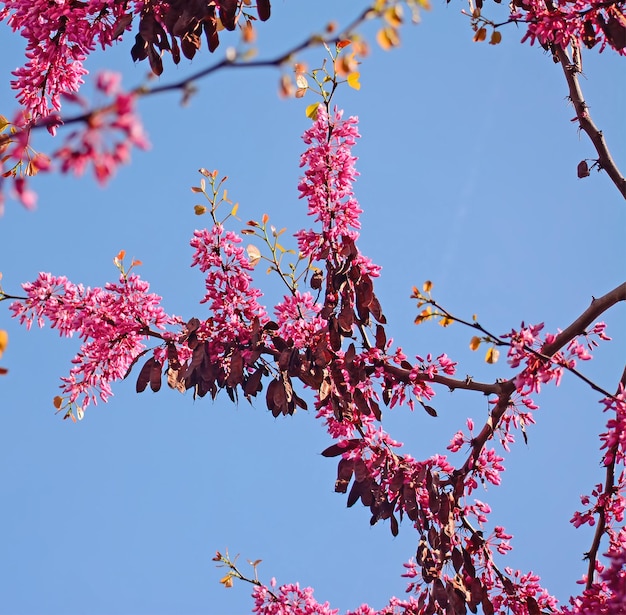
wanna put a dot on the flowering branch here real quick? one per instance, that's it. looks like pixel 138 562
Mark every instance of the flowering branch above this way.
pixel 609 493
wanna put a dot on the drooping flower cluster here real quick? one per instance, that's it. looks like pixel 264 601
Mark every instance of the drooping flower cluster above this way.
pixel 106 139
pixel 327 183
pixel 588 22
pixel 298 319
pixel 230 296
pixel 111 322
pixel 60 34
pixel 526 348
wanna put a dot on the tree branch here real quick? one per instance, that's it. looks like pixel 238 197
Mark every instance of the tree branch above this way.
pixel 605 160
pixel 609 484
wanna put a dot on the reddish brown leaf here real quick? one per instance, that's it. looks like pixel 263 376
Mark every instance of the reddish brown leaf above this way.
pixel 253 384
pixel 341 447
pixel 394 525
pixel 376 310
pixel 344 475
pixel 355 493
pixel 228 13
pixel 381 337
pixel 457 559
pixel 487 606
pixel 440 594
pixel 144 376
pixel 263 9
pixel 235 373
pixel 130 367
pixel 155 376
pixel 430 410
pixel 533 607
pixel 156 64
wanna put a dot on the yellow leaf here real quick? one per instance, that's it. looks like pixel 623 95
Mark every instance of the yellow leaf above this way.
pixel 353 80
pixel 427 286
pixel 474 343
pixel 387 38
pixel 492 355
pixel 4 340
pixel 311 111
pixel 227 581
pixel 233 211
pixel 496 37
pixel 445 321
pixel 254 254
pixel 379 5
pixel 199 209
pixel 393 15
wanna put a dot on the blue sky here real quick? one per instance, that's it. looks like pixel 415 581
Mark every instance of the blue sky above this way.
pixel 468 178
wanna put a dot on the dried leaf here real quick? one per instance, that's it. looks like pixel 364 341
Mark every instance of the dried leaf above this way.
pixel 254 254
pixel 481 35
pixel 582 169
pixel 496 38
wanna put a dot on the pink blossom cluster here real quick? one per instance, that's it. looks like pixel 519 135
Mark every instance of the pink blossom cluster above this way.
pixel 289 600
pixel 526 347
pixel 60 34
pixel 607 594
pixel 108 135
pixel 111 323
pixel 588 22
pixel 327 183
pixel 614 438
pixel 610 505
pixel 230 295
pixel 298 319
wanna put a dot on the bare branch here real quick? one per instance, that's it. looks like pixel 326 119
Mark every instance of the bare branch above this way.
pixel 605 160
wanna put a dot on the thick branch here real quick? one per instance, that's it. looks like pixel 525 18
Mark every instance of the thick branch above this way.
pixel 596 309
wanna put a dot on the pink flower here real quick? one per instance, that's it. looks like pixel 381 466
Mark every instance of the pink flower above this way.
pixel 112 324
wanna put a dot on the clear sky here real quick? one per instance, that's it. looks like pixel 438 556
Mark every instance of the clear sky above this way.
pixel 468 178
